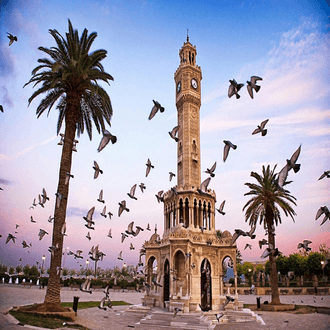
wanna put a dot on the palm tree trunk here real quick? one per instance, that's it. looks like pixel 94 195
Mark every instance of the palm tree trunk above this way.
pixel 273 268
pixel 53 294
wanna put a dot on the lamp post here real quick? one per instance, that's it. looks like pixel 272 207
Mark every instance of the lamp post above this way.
pixel 322 263
pixel 250 279
pixel 87 263
pixel 43 261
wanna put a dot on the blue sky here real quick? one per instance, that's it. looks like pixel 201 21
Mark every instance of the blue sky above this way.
pixel 284 42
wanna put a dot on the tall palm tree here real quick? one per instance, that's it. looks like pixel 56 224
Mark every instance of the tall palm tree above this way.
pixel 268 198
pixel 70 78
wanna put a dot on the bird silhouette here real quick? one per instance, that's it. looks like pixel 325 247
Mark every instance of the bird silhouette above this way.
pixel 251 85
pixel 11 38
pixel 68 177
pixel 100 199
pixel 174 132
pixel 220 209
pixel 85 287
pixel 42 233
pixel 142 186
pixel 97 170
pixel 304 245
pixel 203 188
pixel 131 194
pixel 109 233
pixel 149 166
pixel 325 174
pixel 176 311
pixel 247 245
pixel 234 88
pixel 107 136
pixel 88 236
pixel 155 109
pixel 211 170
pixel 171 175
pixel 228 145
pixel 292 161
pixel 159 196
pixel 323 210
pixel 120 256
pixel 218 316
pixel 104 212
pixel 261 128
pixel 122 207
pixel 10 237
pixel 262 242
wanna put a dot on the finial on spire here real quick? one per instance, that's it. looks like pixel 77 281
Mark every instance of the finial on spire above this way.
pixel 187 36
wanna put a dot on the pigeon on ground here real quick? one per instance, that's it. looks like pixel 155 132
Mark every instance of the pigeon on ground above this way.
pixel 174 132
pixel 247 245
pixel 304 245
pixel 42 233
pixel 68 177
pixel 88 236
pixel 234 88
pixel 149 166
pixel 218 316
pixel 159 196
pixel 100 199
pixel 325 174
pixel 32 220
pixel 228 145
pixel 120 256
pixel 262 242
pixel 104 212
pixel 122 207
pixel 252 85
pixel 85 287
pixel 107 136
pixel 59 198
pixel 220 209
pixel 11 38
pixel 211 170
pixel 155 109
pixel 176 311
pixel 142 186
pixel 323 210
pixel 171 175
pixel 203 189
pixel 261 128
pixel 109 233
pixel 131 194
pixel 97 170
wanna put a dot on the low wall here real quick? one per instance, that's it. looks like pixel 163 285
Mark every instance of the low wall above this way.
pixel 284 290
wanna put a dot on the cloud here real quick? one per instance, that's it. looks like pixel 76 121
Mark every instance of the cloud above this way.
pixel 5 182
pixel 5 97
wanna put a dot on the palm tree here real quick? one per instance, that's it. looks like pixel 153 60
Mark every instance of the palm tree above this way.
pixel 70 80
pixel 267 199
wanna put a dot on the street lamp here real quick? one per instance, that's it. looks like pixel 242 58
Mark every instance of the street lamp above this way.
pixel 87 263
pixel 43 261
pixel 322 263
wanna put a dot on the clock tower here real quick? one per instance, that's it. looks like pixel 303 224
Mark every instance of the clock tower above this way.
pixel 188 78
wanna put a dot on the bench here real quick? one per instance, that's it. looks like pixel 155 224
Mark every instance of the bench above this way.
pixel 297 291
pixel 97 287
pixel 247 291
pixel 325 291
pixel 74 286
pixel 268 291
pixel 283 291
pixel 310 291
pixel 118 288
pixel 26 284
pixel 130 288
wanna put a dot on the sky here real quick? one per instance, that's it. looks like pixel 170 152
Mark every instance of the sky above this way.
pixel 285 42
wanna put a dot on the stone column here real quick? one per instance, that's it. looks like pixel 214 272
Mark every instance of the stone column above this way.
pixel 221 284
pixel 235 277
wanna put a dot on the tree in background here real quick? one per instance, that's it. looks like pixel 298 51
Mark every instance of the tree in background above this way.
pixel 298 264
pixel 18 268
pixel 11 270
pixel 314 265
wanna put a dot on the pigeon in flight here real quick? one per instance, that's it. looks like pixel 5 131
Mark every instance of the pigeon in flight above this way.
pixel 211 170
pixel 149 166
pixel 120 256
pixel 1 108
pixel 325 174
pixel 292 162
pixel 44 196
pixel 240 232
pixel 109 233
pixel 11 38
pixel 25 245
pixel 218 316
pixel 107 136
pixel 323 210
pixel 304 245
pixel 155 109
pixel 129 229
pixel 220 209
pixel 131 247
pixel 62 140
pixel 203 189
pixel 159 196
pixel 234 88
pixel 32 220
pixel 85 287
pixel 187 255
pixel 89 216
pixel 123 236
pixel 261 128
pixel 104 212
pixel 176 311
pixel 74 145
pixel 228 145
pixel 142 186
pixel 171 175
pixel 88 236
pixel 42 233
pixel 122 207
pixel 157 281
pixel 228 300
pixel 68 177
pixel 41 203
pixel 247 245
pixel 270 250
pixel 78 255
pixel 252 85
pixel 97 170
pixel 174 132
pixel 100 199
pixel 148 227
pixel 59 198
pixel 102 302
pixel 262 242
pixel 63 229
pixel 110 215
pixel 132 192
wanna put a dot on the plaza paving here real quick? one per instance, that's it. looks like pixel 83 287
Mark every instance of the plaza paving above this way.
pixel 96 319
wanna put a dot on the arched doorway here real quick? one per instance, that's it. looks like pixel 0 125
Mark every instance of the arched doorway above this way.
pixel 152 269
pixel 166 285
pixel 206 286
pixel 179 273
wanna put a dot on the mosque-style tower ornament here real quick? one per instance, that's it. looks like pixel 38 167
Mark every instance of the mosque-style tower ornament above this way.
pixel 190 254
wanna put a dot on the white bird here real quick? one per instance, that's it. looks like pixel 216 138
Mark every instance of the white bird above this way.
pixel 252 85
pixel 62 140
pixel 11 38
pixel 50 219
pixel 85 287
pixel 97 170
pixel 63 229
pixel 149 166
pixel 155 109
pixel 104 212
pixel 107 136
pixel 174 132
pixel 228 145
pixel 58 270
pixel 220 209
pixel 59 198
pixel 68 177
pixel 131 194
pixel 102 302
pixel 203 188
pixel 304 245
pixel 42 233
pixel 261 128
pixel 211 170
pixel 100 199
pixel 122 207
pixel 120 256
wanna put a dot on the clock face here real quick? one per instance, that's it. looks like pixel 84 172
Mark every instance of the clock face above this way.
pixel 178 87
pixel 194 83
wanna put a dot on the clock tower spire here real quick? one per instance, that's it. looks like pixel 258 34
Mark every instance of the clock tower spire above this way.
pixel 188 78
